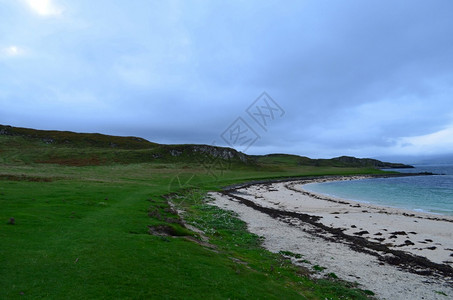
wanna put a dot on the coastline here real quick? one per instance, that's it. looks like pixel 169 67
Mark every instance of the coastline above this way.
pixel 393 252
pixel 392 201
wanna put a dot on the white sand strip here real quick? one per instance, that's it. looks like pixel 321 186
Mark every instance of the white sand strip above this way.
pixel 418 234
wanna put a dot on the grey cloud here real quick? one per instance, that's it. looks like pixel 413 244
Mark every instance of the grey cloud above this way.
pixel 352 77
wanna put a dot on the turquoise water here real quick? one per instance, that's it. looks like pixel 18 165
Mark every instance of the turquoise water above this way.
pixel 432 194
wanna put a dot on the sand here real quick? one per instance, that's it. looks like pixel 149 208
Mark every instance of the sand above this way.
pixel 395 253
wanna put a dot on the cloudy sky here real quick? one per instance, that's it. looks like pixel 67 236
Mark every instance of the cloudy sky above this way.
pixel 364 78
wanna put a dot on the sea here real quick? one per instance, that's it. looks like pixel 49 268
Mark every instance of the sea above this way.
pixel 426 193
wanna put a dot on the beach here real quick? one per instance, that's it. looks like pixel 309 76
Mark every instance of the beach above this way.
pixel 395 253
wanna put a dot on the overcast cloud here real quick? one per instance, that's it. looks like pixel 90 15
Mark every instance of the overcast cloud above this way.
pixel 362 78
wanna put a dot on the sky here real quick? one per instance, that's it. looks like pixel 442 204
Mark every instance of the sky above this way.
pixel 316 78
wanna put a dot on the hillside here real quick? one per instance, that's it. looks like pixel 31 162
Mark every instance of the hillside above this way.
pixel 340 162
pixel 104 213
pixel 72 139
pixel 82 149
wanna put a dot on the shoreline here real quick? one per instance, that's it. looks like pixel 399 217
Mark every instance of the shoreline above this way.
pixel 399 248
pixel 364 202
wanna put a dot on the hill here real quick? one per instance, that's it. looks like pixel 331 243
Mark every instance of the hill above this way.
pixel 104 213
pixel 73 139
pixel 82 149
pixel 340 162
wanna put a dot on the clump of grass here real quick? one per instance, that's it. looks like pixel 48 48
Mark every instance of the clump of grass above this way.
pixel 291 254
pixel 332 275
pixel 318 268
pixel 441 293
pixel 368 292
pixel 171 230
pixel 154 213
pixel 305 261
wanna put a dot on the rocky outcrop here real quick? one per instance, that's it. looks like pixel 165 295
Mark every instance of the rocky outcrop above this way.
pixel 223 153
pixel 4 130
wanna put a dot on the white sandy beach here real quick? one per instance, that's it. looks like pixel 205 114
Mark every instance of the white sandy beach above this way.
pixel 397 254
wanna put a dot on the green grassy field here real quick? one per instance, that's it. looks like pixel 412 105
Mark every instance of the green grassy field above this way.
pixel 106 230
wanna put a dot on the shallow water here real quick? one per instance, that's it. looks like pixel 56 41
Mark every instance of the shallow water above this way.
pixel 432 194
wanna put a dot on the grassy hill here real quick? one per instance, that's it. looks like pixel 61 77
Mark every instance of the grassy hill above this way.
pixel 76 140
pixel 86 216
pixel 83 149
pixel 342 161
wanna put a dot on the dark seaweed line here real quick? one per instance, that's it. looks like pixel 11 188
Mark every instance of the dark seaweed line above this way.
pixel 400 258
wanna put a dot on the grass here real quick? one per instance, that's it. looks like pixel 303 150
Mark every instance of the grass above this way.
pixel 83 232
pixel 318 268
pixel 441 293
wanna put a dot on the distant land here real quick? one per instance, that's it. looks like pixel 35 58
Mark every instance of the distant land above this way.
pixel 436 159
pixel 136 149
